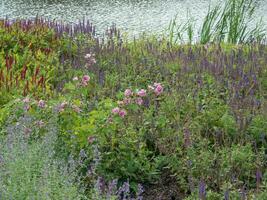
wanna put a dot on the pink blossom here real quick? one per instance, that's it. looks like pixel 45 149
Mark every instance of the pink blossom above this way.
pixel 139 101
pixel 141 93
pixel 85 80
pixel 122 113
pixel 41 104
pixel 26 100
pixel 127 101
pixel 159 89
pixel 128 92
pixel 116 110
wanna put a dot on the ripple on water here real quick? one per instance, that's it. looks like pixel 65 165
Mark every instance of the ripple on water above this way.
pixel 134 16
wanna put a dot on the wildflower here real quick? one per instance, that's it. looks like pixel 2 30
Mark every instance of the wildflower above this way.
pixel 62 106
pixel 140 192
pixel 139 101
pixel 75 78
pixel 122 113
pixel 85 80
pixel 202 190
pixel 158 88
pixel 26 107
pixel 41 104
pixel 127 101
pixel 40 123
pixel 128 93
pixel 26 100
pixel 141 93
pixel 116 110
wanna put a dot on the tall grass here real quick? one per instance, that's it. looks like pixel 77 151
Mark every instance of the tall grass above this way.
pixel 231 23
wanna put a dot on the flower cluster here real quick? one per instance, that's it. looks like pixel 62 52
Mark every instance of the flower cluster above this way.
pixel 157 88
pixel 121 112
pixel 84 81
pixel 90 59
pixel 137 97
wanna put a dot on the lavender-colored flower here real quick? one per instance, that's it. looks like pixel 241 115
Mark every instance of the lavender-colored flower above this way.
pixel 122 113
pixel 127 101
pixel 128 93
pixel 112 188
pixel 139 101
pixel 62 106
pixel 141 93
pixel 40 123
pixel 140 192
pixel 258 177
pixel 202 190
pixel 41 104
pixel 124 191
pixel 115 110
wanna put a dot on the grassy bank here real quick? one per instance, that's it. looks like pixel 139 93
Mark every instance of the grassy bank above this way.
pixel 86 117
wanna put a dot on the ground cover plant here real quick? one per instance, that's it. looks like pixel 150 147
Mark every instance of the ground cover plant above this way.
pixel 90 117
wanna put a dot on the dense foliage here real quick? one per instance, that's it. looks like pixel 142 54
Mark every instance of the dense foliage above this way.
pixel 85 117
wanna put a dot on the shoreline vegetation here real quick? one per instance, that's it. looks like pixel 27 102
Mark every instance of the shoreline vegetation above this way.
pixel 176 116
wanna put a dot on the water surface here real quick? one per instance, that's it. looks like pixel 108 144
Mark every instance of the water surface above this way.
pixel 133 16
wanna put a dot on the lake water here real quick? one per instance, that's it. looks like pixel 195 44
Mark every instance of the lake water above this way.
pixel 133 16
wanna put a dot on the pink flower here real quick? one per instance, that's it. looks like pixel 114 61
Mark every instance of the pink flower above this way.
pixel 85 80
pixel 75 78
pixel 26 100
pixel 41 104
pixel 127 101
pixel 139 101
pixel 122 113
pixel 128 92
pixel 116 110
pixel 141 93
pixel 159 89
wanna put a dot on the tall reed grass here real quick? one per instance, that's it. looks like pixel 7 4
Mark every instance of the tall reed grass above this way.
pixel 231 23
